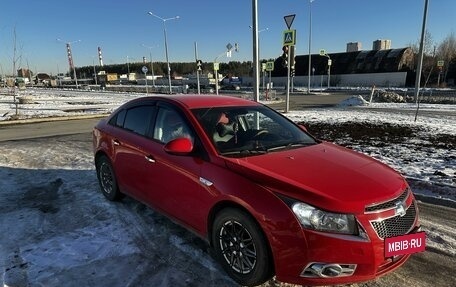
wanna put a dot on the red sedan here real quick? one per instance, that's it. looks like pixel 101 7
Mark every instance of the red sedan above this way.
pixel 267 196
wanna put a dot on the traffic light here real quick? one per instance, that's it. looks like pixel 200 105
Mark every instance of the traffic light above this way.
pixel 292 57
pixel 285 56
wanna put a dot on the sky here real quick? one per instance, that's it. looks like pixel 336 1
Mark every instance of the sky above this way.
pixel 58 230
pixel 123 28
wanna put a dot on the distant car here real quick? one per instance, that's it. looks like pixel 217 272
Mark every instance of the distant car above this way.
pixel 230 87
pixel 268 197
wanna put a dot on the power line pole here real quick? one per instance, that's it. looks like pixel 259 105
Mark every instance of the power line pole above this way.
pixel 420 62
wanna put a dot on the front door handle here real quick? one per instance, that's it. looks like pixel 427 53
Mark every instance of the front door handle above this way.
pixel 150 158
pixel 116 142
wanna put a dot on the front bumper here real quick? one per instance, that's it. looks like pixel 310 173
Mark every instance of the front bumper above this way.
pixel 346 261
pixel 319 258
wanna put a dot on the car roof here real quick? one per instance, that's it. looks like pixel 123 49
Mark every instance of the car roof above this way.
pixel 192 101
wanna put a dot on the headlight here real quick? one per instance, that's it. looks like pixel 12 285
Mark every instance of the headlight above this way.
pixel 313 218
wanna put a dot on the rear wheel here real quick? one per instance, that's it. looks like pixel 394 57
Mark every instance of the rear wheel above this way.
pixel 241 247
pixel 107 179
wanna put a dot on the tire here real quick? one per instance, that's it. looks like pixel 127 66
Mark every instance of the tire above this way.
pixel 107 179
pixel 241 247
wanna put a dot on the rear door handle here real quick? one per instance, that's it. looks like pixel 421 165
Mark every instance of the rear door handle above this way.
pixel 150 158
pixel 116 142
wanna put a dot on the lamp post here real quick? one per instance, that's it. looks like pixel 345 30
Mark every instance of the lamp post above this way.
pixel 229 48
pixel 420 62
pixel 151 63
pixel 128 68
pixel 324 54
pixel 216 68
pixel 70 59
pixel 310 44
pixel 166 45
pixel 259 31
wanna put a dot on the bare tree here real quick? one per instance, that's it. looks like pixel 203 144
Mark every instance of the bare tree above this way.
pixel 429 51
pixel 446 51
pixel 429 46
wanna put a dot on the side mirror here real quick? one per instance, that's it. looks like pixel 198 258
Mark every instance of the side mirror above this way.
pixel 303 128
pixel 179 146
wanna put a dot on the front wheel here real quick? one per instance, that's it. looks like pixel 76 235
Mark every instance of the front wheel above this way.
pixel 107 179
pixel 241 247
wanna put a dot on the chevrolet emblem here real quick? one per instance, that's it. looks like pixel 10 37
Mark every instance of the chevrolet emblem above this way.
pixel 399 209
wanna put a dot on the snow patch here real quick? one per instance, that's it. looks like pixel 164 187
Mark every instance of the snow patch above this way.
pixel 353 101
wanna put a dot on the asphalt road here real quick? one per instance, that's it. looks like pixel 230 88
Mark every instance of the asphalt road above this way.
pixel 317 100
pixel 46 128
pixel 42 128
pixel 430 268
pixel 324 100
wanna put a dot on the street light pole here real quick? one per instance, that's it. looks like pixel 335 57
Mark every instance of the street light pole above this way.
pixel 128 69
pixel 70 59
pixel 324 54
pixel 256 68
pixel 420 62
pixel 310 44
pixel 259 58
pixel 166 45
pixel 216 72
pixel 420 54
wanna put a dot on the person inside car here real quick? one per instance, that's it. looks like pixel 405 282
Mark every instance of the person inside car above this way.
pixel 225 129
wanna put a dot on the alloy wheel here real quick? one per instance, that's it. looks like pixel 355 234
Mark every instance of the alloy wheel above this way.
pixel 237 247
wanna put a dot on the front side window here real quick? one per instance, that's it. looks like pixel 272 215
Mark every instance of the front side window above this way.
pixel 170 125
pixel 246 131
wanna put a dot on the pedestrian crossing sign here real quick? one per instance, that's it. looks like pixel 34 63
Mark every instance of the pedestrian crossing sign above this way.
pixel 289 37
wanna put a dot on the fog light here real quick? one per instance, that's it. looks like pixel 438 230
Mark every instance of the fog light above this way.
pixel 328 270
pixel 331 270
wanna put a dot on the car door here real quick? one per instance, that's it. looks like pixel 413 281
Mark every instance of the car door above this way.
pixel 129 142
pixel 173 181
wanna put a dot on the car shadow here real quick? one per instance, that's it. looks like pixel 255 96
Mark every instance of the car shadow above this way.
pixel 59 230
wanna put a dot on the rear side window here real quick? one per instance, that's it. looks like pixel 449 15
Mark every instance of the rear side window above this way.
pixel 137 119
pixel 120 118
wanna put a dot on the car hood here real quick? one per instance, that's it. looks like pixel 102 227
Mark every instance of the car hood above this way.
pixel 324 175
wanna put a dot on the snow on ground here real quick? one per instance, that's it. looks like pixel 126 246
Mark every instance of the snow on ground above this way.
pixel 415 158
pixel 59 103
pixel 409 158
pixel 56 229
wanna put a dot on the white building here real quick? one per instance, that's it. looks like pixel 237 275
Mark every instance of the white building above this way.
pixel 381 44
pixel 354 47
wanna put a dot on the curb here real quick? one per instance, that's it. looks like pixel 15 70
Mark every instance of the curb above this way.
pixel 436 201
pixel 51 119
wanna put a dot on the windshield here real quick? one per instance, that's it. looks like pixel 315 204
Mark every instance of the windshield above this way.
pixel 247 131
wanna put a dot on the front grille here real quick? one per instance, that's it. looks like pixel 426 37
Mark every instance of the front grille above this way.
pixel 396 225
pixel 389 204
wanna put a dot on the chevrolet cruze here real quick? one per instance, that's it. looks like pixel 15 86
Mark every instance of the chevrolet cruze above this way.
pixel 269 198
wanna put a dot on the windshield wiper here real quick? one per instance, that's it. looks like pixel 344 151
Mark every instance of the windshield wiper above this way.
pixel 244 152
pixel 290 146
